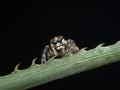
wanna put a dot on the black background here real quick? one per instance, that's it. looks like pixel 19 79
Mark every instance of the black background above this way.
pixel 31 25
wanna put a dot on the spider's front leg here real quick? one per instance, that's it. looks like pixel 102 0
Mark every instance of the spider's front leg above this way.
pixel 72 47
pixel 46 54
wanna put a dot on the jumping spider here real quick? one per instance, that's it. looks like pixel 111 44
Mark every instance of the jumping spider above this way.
pixel 58 47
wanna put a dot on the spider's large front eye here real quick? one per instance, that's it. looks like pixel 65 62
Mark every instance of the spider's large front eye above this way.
pixel 54 42
pixel 59 40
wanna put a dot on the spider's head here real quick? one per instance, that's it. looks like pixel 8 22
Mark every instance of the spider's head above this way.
pixel 58 43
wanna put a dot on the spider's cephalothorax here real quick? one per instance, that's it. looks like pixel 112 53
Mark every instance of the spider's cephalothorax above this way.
pixel 58 47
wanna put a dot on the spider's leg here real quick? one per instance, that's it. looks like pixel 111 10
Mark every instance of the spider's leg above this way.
pixel 46 54
pixel 71 47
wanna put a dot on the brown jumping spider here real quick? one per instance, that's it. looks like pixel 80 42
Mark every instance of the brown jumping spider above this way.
pixel 58 47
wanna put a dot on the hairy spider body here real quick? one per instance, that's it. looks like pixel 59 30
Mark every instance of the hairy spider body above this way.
pixel 58 47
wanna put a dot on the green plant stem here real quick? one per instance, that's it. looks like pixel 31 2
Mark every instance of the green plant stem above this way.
pixel 60 68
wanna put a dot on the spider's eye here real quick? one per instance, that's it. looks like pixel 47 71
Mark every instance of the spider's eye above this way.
pixel 54 42
pixel 59 40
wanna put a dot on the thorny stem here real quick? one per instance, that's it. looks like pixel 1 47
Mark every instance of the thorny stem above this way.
pixel 60 68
